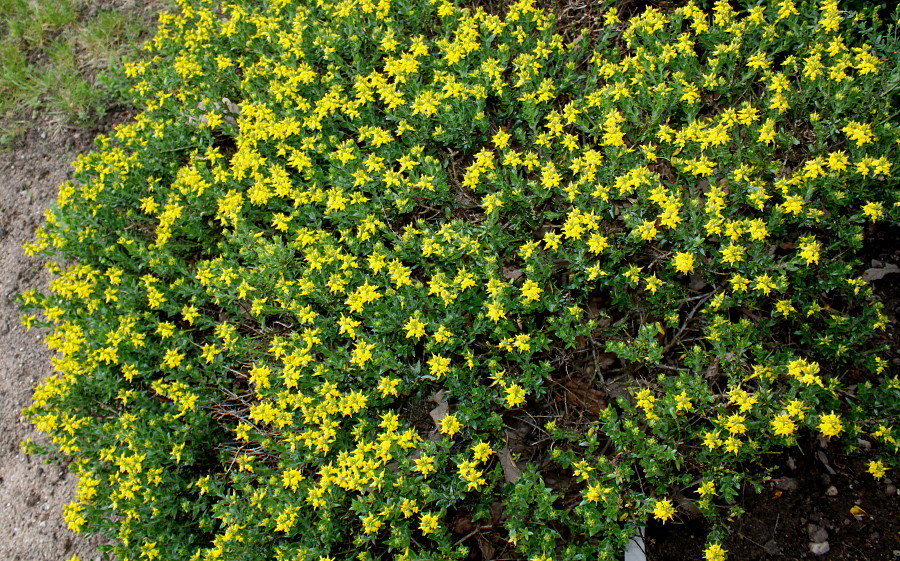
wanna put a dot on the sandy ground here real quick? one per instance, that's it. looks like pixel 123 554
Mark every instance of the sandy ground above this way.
pixel 32 493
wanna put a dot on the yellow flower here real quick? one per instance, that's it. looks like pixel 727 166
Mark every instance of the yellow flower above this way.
pixel 209 353
pixel 782 425
pixel 597 243
pixel 482 451
pixel 415 328
pixel 468 471
pixel 189 313
pixel 515 394
pixel 491 203
pixel 72 514
pixel 767 132
pixel 173 358
pixel 732 253
pixel 552 240
pixel 259 376
pixel 424 464
pixel 595 492
pixel 732 444
pixel 743 399
pixel 809 249
pixel 707 488
pixel 428 523
pixel 663 510
pixel 735 424
pixel 873 210
pixel 876 468
pixel 714 552
pixel 291 479
pixel 501 139
pixel 530 291
pixel 362 353
pixel 690 93
pixel 795 409
pixel 860 133
pixel 611 17
pixel 830 424
pixel 711 439
pixel 683 402
pixel 371 524
pixel 739 283
pixel 388 386
pixel 450 425
pixel 792 204
pixel 838 160
pixel 438 365
pixel 758 61
pixel 442 334
pixel 765 284
pixel 683 262
pixel 347 325
pixel 784 307
pixel 495 310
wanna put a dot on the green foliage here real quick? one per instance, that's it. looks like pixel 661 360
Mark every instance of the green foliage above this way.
pixel 332 219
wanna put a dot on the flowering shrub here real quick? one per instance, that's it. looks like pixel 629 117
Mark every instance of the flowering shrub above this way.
pixel 614 271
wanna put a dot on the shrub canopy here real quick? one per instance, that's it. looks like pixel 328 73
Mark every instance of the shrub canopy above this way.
pixel 403 280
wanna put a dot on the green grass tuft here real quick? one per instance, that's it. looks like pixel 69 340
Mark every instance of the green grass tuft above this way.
pixel 62 59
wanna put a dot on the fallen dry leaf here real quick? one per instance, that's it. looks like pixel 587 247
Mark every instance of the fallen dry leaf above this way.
pixel 824 459
pixel 512 273
pixel 511 471
pixel 442 409
pixel 439 412
pixel 487 550
pixel 878 273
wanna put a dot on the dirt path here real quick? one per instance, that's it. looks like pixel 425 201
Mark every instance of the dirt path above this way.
pixel 32 493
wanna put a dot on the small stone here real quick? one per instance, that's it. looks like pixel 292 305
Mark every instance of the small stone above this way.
pixel 831 491
pixel 787 484
pixel 791 463
pixel 890 490
pixel 819 548
pixel 817 534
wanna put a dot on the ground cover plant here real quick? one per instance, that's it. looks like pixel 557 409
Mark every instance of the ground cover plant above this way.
pixel 398 280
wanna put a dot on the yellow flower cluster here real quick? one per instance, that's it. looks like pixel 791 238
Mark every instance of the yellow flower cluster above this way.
pixel 405 203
